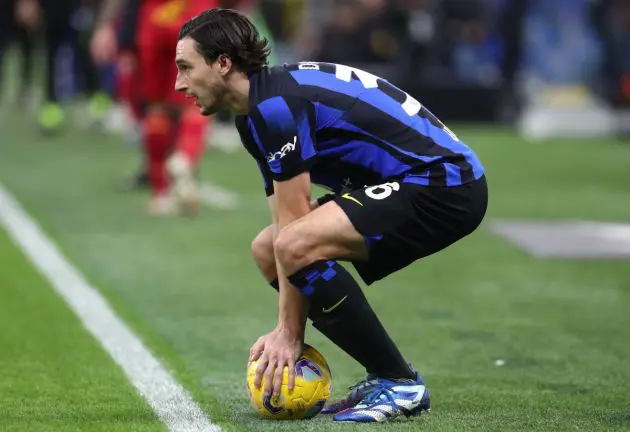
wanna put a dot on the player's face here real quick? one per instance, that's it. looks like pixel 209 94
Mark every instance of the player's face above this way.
pixel 200 80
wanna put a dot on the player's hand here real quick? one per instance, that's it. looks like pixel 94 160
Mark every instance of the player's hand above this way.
pixel 275 351
pixel 104 45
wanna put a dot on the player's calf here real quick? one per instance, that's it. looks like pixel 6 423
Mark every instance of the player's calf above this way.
pixel 157 136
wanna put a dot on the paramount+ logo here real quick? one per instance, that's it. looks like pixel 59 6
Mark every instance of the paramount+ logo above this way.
pixel 288 147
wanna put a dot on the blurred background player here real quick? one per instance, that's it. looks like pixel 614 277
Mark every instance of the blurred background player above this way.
pixel 141 35
pixel 14 30
pixel 172 132
pixel 68 69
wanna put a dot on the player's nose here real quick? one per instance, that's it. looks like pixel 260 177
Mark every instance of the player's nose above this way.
pixel 180 84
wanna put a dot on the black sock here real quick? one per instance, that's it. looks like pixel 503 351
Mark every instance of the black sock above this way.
pixel 328 328
pixel 340 311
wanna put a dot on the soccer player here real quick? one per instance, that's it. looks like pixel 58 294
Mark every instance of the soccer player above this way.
pixel 403 187
pixel 14 29
pixel 172 148
pixel 61 24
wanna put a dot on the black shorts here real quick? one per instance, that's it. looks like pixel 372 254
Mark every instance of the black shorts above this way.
pixel 402 222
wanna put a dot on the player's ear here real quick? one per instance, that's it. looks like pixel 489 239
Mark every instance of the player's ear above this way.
pixel 225 64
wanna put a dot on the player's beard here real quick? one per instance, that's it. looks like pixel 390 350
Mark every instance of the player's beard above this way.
pixel 206 111
pixel 218 93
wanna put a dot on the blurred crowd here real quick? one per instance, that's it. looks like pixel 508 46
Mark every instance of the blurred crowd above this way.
pixel 414 43
pixel 467 59
pixel 509 47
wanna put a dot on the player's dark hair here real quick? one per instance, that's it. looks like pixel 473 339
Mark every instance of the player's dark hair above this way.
pixel 220 31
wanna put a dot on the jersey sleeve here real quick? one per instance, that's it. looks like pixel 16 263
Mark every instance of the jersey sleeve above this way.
pixel 284 129
pixel 244 128
pixel 267 177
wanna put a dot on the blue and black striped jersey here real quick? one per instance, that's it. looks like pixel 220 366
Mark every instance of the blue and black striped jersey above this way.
pixel 349 129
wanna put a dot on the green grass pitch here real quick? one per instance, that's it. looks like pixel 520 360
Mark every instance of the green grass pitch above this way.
pixel 188 287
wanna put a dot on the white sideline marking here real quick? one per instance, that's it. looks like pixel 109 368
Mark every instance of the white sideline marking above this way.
pixel 218 197
pixel 170 401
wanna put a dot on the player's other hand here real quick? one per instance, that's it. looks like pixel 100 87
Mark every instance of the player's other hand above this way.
pixel 275 351
pixel 104 45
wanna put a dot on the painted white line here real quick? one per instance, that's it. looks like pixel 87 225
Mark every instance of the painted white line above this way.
pixel 218 197
pixel 170 401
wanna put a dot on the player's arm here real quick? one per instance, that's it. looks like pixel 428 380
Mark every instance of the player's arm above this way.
pixel 289 203
pixel 104 44
pixel 109 11
pixel 283 131
pixel 285 134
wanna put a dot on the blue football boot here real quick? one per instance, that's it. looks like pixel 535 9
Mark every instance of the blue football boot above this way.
pixel 357 393
pixel 389 399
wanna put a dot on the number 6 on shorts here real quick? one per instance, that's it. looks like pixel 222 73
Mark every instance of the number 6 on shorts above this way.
pixel 382 191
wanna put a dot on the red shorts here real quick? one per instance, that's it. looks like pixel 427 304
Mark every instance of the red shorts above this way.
pixel 159 22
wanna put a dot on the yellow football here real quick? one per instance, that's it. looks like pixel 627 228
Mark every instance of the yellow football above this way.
pixel 313 385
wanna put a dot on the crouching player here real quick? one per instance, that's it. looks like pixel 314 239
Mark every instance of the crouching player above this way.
pixel 404 186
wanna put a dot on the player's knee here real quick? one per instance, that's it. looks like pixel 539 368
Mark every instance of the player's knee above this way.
pixel 292 248
pixel 262 252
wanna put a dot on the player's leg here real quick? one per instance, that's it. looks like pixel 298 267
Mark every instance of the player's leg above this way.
pixel 6 29
pixel 338 306
pixel 355 312
pixel 339 309
pixel 25 44
pixel 99 102
pixel 58 31
pixel 346 315
pixel 264 257
pixel 311 246
pixel 129 94
pixel 381 229
pixel 158 129
pixel 262 250
pixel 193 130
pixel 182 164
pixel 189 144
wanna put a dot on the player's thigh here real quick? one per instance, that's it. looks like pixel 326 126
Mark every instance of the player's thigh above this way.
pixel 325 233
pixel 306 233
pixel 402 222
